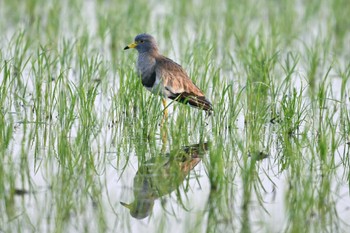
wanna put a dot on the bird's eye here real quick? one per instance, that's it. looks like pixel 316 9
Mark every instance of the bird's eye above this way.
pixel 141 41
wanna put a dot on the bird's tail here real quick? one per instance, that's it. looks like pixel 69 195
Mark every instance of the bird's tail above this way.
pixel 195 101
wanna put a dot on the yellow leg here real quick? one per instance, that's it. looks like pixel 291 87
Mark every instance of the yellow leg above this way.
pixel 163 129
pixel 165 108
pixel 165 113
pixel 164 132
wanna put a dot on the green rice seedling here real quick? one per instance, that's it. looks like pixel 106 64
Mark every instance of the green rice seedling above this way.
pixel 76 124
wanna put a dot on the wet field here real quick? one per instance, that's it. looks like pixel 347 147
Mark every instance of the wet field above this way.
pixel 84 146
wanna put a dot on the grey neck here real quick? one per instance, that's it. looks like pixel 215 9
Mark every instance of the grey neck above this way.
pixel 145 64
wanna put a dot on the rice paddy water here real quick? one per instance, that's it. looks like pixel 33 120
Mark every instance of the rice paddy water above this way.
pixel 82 147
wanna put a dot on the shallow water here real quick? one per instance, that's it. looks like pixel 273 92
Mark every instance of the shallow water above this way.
pixel 66 175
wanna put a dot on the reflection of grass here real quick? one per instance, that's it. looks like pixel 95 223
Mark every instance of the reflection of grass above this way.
pixel 278 76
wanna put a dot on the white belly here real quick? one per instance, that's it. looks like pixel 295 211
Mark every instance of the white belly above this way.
pixel 157 88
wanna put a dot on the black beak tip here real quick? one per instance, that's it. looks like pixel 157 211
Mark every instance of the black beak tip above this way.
pixel 127 47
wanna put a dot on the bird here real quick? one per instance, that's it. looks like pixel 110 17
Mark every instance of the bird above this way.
pixel 162 76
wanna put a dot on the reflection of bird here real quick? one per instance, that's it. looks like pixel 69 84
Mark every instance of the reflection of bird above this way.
pixel 160 176
pixel 163 76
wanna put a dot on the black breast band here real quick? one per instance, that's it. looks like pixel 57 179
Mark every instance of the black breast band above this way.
pixel 148 81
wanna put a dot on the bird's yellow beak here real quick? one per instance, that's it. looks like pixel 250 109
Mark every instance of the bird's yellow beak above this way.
pixel 131 46
pixel 129 206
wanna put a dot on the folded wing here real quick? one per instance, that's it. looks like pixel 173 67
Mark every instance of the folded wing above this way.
pixel 180 87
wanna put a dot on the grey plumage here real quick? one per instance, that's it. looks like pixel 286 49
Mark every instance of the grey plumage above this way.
pixel 164 77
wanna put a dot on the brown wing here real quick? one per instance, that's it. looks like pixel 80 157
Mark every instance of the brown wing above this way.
pixel 195 101
pixel 180 86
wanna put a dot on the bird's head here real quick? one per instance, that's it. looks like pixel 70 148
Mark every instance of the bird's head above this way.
pixel 143 43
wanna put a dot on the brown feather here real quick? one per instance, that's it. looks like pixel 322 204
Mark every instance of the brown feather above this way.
pixel 175 76
pixel 181 87
pixel 195 101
